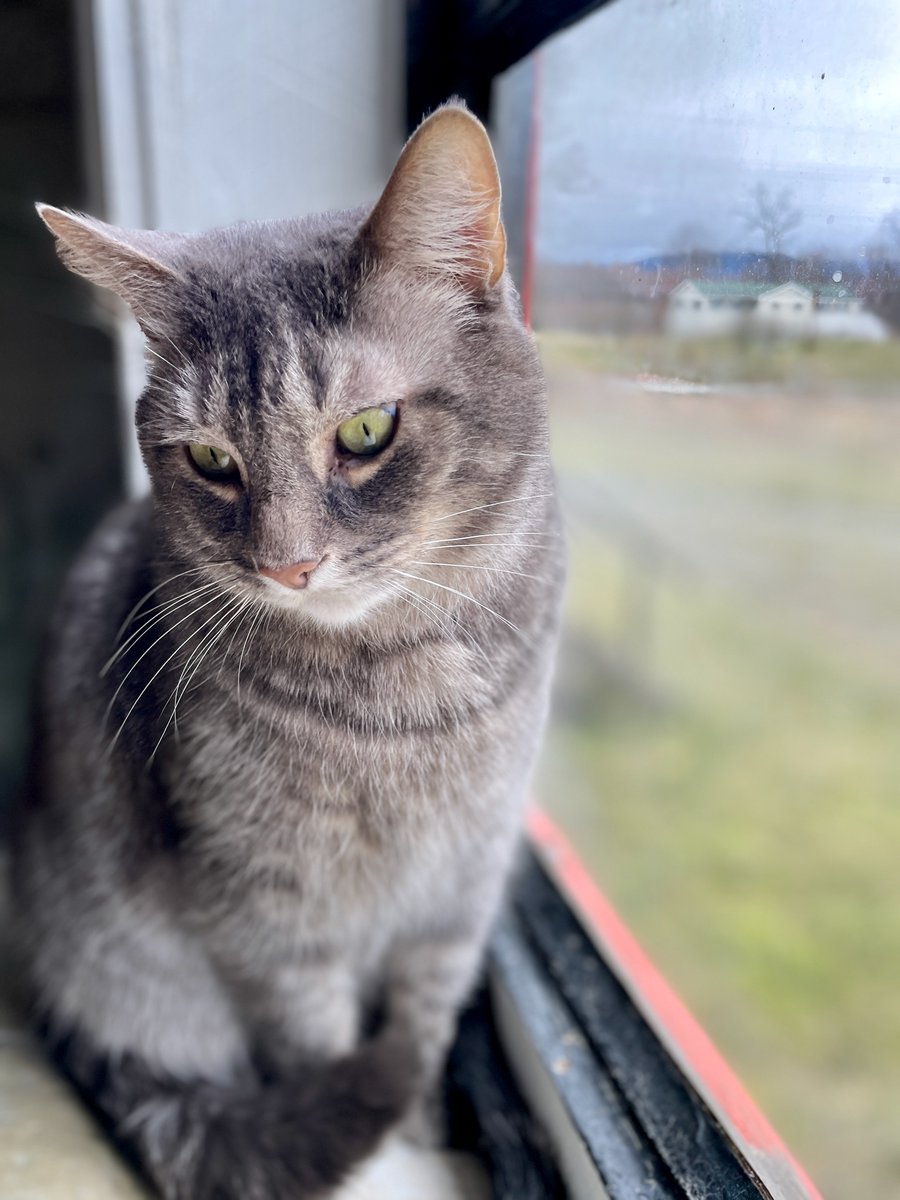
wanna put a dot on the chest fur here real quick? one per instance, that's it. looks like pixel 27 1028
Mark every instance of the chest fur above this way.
pixel 343 794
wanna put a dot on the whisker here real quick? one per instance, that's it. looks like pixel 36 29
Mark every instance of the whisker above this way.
pixel 147 595
pixel 485 540
pixel 161 357
pixel 197 654
pixel 172 599
pixel 465 596
pixel 181 621
pixel 257 620
pixel 442 615
pixel 493 504
pixel 427 607
pixel 416 562
pixel 429 610
pixel 156 673
pixel 200 652
pixel 251 600
pixel 184 358
pixel 162 612
pixel 532 529
pixel 408 596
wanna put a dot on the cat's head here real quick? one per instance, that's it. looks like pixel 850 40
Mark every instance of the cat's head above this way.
pixel 340 404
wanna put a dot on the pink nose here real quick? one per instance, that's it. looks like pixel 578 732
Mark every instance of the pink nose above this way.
pixel 295 576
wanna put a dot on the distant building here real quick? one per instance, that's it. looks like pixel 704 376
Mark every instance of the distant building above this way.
pixel 721 308
pixel 841 314
pixel 787 310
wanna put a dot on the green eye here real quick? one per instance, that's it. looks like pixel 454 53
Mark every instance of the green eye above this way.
pixel 369 431
pixel 213 462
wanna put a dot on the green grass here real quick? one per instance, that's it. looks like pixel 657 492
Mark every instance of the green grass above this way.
pixel 729 361
pixel 731 770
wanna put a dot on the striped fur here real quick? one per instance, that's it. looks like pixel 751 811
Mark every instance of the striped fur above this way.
pixel 268 830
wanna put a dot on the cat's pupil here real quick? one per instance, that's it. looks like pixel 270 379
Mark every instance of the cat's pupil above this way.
pixel 212 461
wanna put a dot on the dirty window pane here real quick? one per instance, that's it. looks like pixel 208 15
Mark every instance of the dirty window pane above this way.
pixel 715 286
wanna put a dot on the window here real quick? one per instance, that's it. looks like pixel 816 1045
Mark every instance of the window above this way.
pixel 724 750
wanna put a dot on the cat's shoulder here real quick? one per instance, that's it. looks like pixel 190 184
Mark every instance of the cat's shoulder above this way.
pixel 121 538
pixel 109 568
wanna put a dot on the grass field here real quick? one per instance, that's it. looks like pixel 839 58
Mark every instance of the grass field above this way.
pixel 726 745
pixel 824 364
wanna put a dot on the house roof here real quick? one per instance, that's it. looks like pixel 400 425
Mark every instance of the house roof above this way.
pixel 741 289
pixel 715 289
pixel 796 289
pixel 830 292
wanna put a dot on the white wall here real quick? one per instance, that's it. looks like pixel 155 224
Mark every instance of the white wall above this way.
pixel 785 312
pixel 683 319
pixel 211 111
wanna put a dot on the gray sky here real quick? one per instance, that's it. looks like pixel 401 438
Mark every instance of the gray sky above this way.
pixel 663 114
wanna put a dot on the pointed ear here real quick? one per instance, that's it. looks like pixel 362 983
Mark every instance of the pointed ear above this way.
pixel 135 264
pixel 441 208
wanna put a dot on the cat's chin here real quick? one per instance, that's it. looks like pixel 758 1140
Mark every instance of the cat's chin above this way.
pixel 331 609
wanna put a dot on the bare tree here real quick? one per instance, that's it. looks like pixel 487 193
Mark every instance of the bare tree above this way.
pixel 889 234
pixel 773 215
pixel 882 286
pixel 689 241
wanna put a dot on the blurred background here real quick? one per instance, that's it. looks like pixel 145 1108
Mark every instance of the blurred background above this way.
pixel 703 206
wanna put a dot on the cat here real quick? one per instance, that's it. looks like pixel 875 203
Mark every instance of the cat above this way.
pixel 290 702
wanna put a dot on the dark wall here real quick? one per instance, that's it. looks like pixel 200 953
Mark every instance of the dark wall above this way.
pixel 60 464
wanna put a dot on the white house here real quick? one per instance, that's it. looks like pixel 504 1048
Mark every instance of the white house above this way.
pixel 787 310
pixel 721 308
pixel 711 308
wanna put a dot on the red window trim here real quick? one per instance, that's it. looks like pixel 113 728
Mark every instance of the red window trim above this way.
pixel 685 1039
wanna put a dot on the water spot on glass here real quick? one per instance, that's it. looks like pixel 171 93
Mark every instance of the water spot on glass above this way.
pixel 885 179
pixel 838 276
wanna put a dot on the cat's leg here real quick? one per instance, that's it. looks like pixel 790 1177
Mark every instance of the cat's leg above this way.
pixel 434 964
pixel 307 1007
pixel 429 981
pixel 316 1004
pixel 430 978
pixel 299 997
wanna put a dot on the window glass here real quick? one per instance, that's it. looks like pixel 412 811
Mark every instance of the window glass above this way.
pixel 710 239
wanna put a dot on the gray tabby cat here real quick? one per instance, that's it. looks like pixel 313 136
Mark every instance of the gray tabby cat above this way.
pixel 269 826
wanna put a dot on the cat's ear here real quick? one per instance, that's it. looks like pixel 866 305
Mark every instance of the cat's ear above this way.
pixel 441 208
pixel 136 264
